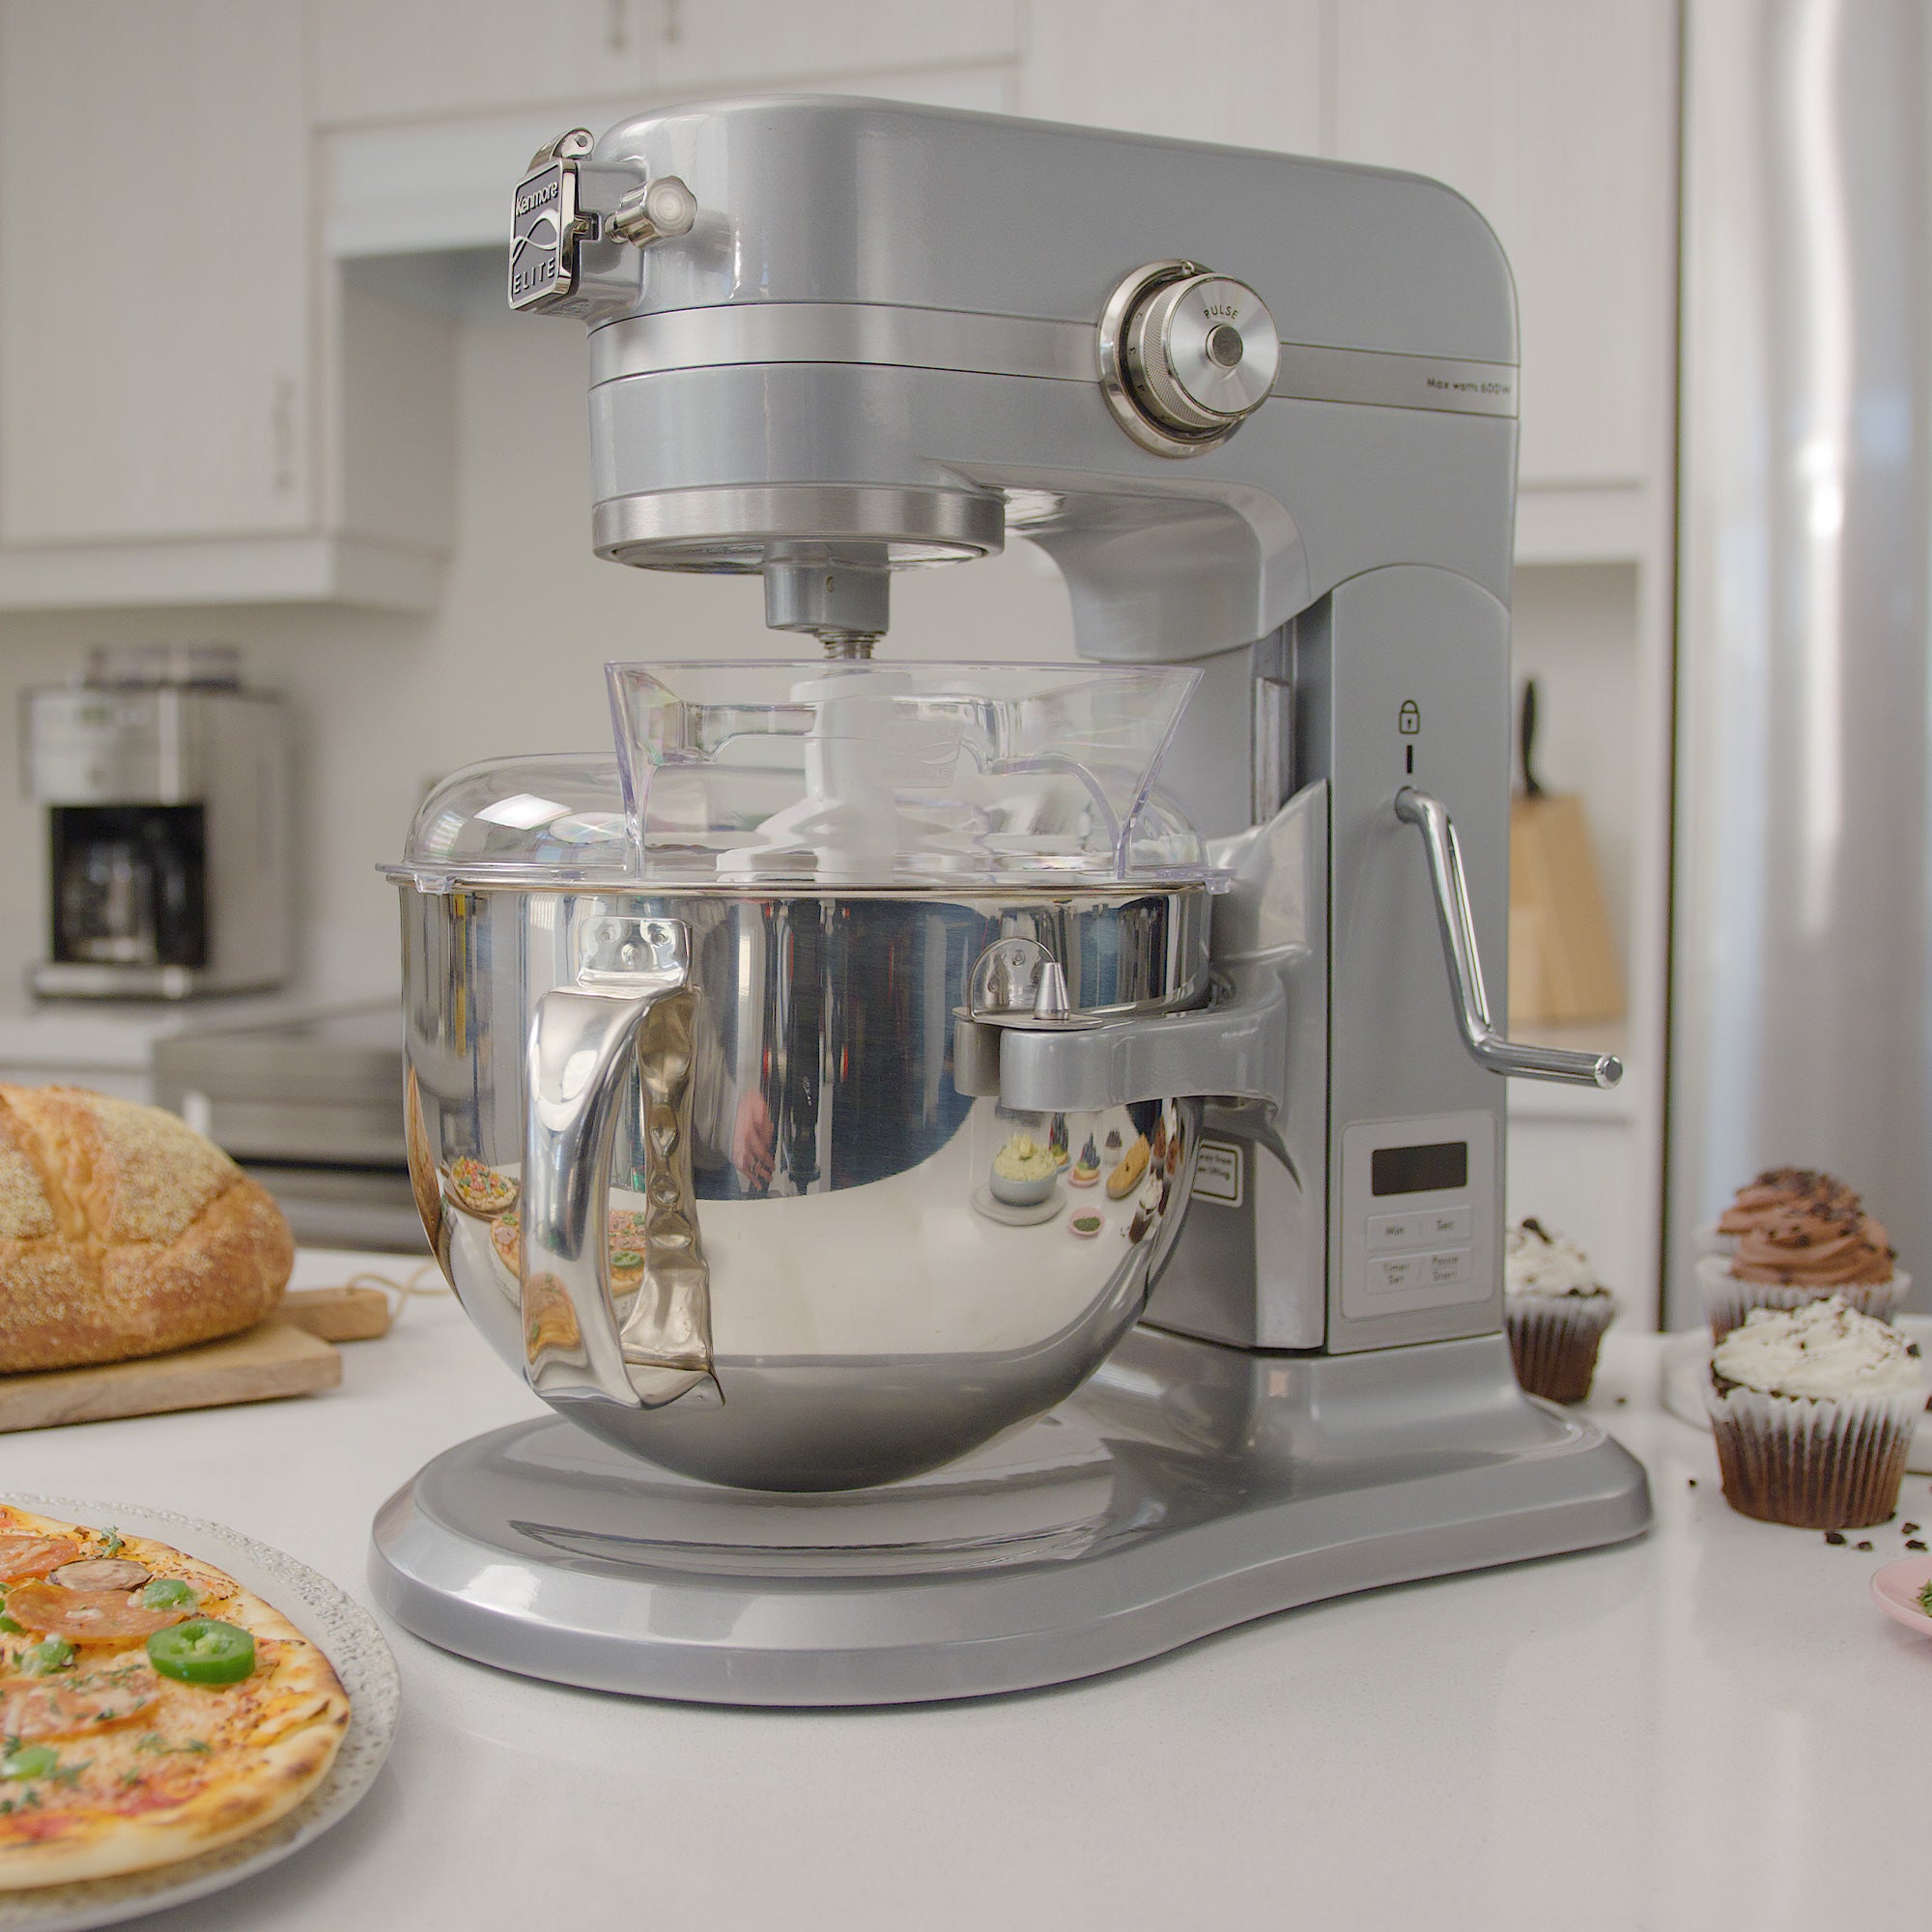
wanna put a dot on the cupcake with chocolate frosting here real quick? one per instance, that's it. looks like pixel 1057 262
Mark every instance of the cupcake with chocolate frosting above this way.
pixel 1813 1411
pixel 1556 1310
pixel 1773 1193
pixel 1804 1251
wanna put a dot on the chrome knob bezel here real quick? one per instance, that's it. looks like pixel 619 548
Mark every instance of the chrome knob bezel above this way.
pixel 1161 382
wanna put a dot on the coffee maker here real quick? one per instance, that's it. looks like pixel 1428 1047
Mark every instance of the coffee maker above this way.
pixel 1261 411
pixel 166 788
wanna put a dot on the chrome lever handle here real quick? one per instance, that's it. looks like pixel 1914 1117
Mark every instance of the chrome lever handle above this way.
pixel 1458 927
pixel 634 981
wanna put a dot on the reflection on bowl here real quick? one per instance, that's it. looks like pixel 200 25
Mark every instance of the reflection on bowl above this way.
pixel 1027 1193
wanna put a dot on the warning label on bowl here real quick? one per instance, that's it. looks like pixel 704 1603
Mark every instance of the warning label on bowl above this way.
pixel 1218 1173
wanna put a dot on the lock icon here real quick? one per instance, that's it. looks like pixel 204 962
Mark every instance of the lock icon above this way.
pixel 1409 720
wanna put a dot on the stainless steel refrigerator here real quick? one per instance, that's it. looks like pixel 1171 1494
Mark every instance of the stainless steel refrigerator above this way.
pixel 1802 973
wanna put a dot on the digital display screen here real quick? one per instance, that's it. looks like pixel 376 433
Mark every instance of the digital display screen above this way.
pixel 1419 1169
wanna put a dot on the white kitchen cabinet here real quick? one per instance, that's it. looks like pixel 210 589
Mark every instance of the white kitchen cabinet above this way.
pixel 695 47
pixel 1558 123
pixel 155 343
pixel 1246 73
pixel 411 60
pixel 174 423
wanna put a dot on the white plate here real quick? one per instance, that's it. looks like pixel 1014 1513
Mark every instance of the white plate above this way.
pixel 1895 1590
pixel 1687 1374
pixel 344 1632
pixel 1012 1215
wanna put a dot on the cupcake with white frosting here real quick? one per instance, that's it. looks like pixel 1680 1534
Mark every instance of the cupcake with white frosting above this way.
pixel 1813 1411
pixel 1556 1310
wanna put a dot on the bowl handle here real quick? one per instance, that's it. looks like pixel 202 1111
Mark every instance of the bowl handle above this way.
pixel 633 1006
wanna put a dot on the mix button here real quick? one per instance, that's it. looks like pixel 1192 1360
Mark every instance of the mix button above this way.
pixel 1419 1227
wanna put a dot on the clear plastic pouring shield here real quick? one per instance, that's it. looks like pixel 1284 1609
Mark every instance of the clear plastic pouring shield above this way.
pixel 896 775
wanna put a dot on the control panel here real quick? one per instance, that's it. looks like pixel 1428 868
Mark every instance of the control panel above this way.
pixel 1418 1214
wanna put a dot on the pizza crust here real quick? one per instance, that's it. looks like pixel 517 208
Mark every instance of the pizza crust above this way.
pixel 267 1743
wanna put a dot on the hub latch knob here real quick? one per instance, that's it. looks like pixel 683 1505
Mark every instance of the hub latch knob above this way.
pixel 659 208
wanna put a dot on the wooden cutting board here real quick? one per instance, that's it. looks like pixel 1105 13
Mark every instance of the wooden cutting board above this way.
pixel 263 1363
pixel 1563 966
pixel 337 1314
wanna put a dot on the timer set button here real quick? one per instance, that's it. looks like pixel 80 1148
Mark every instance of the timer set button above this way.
pixel 1389 1274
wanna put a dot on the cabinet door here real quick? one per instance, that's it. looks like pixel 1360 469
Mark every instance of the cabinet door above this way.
pixel 1558 123
pixel 706 43
pixel 1245 72
pixel 384 60
pixel 154 340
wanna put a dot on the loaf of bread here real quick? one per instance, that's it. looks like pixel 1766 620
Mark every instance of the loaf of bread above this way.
pixel 123 1233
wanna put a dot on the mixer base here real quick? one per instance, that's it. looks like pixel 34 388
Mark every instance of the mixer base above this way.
pixel 1187 1488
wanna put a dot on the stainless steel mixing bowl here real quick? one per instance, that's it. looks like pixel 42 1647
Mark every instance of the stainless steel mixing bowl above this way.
pixel 697 1165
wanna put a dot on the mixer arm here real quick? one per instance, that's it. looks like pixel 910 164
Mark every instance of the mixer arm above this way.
pixel 1458 927
pixel 1017 1038
pixel 1234 1047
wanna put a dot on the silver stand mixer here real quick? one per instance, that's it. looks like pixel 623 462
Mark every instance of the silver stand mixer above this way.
pixel 703 1098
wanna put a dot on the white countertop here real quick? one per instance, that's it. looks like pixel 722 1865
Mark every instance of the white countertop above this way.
pixel 1711 1728
pixel 117 1036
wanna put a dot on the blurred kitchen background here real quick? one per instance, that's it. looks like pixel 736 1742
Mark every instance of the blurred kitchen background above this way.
pixel 258 386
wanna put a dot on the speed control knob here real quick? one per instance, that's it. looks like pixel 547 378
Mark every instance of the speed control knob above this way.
pixel 1187 357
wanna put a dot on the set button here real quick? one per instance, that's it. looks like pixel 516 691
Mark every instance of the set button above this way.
pixel 1419 1227
pixel 1444 1267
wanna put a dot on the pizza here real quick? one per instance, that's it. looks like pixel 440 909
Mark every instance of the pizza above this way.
pixel 627 1242
pixel 150 1708
pixel 1127 1171
pixel 480 1189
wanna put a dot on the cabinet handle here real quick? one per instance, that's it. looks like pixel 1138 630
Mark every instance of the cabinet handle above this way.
pixel 282 435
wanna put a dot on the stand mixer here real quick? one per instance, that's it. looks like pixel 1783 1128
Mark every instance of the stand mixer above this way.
pixel 1261 413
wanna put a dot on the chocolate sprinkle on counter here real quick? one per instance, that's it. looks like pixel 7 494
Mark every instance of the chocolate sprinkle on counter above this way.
pixel 1690 1481
pixel 1835 1536
pixel 1865 1545
pixel 1914 1542
pixel 1909 1528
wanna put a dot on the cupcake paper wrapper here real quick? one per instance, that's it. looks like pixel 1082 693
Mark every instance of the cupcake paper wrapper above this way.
pixel 1553 1341
pixel 1727 1300
pixel 1813 1463
pixel 1709 1240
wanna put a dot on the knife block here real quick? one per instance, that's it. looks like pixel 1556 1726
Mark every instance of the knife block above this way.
pixel 1563 965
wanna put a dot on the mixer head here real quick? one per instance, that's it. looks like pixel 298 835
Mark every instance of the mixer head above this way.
pixel 792 426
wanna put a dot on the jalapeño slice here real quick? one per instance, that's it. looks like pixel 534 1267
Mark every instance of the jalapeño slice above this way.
pixel 204 1650
pixel 29 1761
